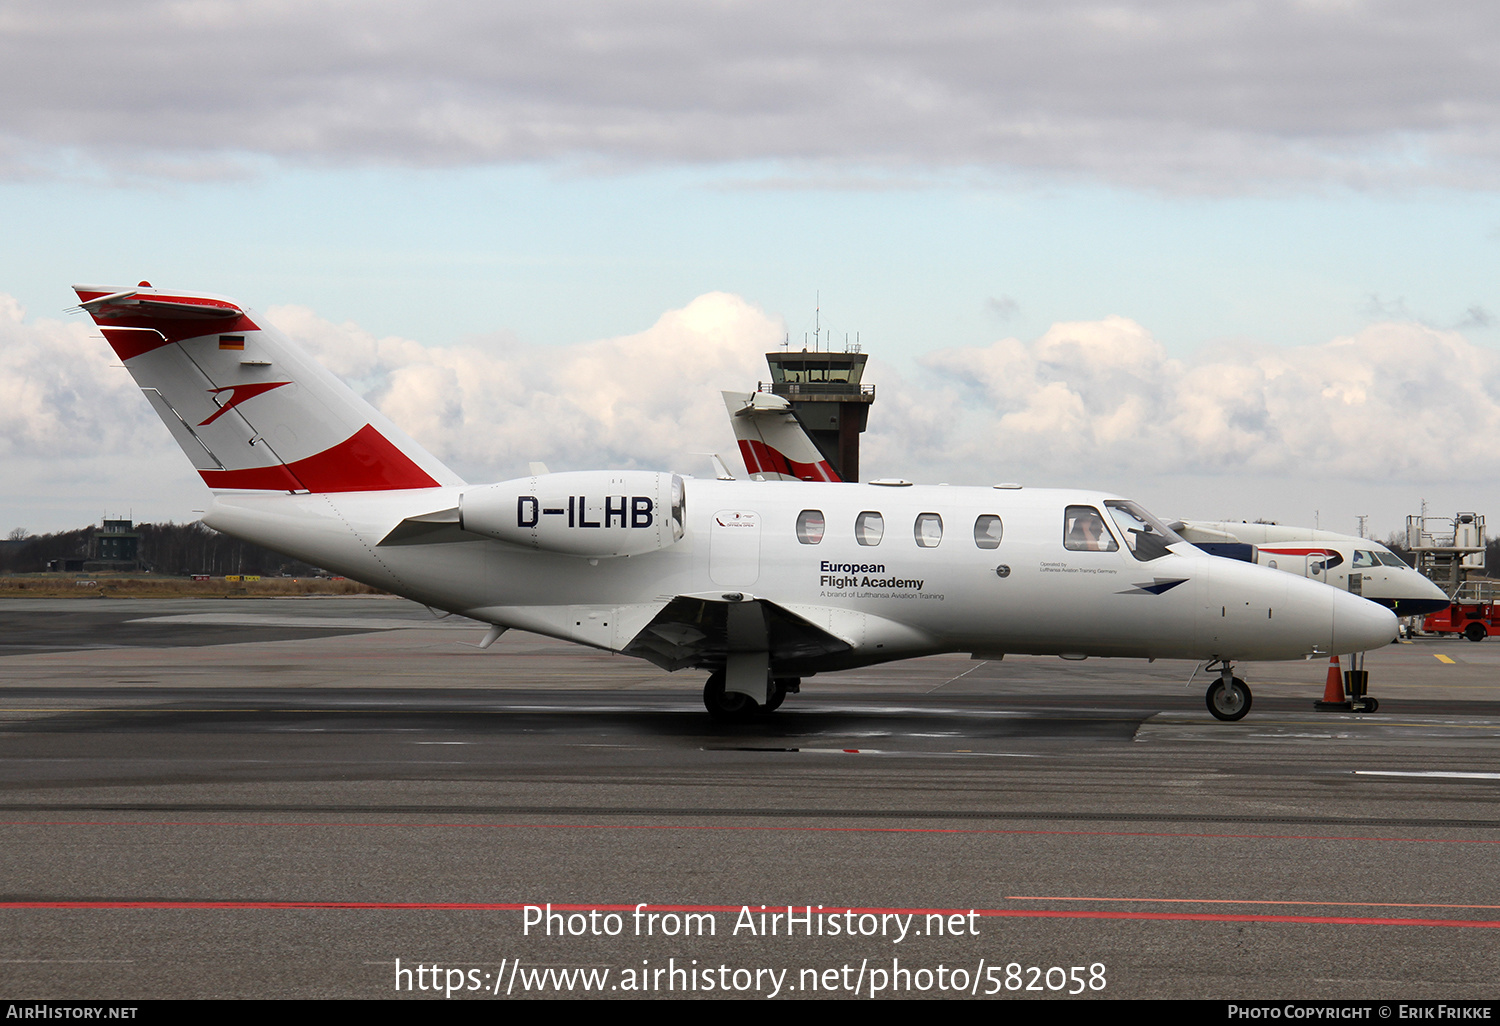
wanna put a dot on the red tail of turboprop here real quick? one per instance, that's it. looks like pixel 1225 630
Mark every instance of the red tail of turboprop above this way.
pixel 251 410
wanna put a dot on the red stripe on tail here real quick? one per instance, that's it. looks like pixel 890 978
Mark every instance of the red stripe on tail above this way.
pixel 128 342
pixel 175 317
pixel 760 458
pixel 364 462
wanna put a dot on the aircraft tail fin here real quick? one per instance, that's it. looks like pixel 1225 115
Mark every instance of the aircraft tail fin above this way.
pixel 772 440
pixel 251 410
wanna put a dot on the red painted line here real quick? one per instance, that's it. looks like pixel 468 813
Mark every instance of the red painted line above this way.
pixel 767 828
pixel 1214 917
pixel 1252 901
pixel 990 913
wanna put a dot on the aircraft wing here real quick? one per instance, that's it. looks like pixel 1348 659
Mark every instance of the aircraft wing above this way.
pixel 693 630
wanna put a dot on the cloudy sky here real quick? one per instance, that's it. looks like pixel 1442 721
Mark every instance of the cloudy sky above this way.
pixel 1233 259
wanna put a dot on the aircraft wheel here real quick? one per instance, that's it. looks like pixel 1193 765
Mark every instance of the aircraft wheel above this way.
pixel 778 695
pixel 727 706
pixel 1228 703
pixel 1476 631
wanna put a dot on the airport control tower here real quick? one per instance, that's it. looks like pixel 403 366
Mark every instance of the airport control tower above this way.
pixel 828 398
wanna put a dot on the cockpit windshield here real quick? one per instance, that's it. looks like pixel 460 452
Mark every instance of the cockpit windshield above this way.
pixel 1145 536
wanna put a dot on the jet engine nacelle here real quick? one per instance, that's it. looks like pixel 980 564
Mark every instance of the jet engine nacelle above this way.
pixel 591 513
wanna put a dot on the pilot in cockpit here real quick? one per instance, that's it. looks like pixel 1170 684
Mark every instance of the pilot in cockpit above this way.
pixel 1086 531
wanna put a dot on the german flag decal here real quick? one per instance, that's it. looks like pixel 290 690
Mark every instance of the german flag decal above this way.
pixel 235 342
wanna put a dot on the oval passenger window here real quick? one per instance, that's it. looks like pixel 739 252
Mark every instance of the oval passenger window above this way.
pixel 928 530
pixel 987 531
pixel 810 526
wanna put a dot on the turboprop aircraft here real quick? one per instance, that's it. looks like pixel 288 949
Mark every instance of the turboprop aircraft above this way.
pixel 1344 561
pixel 775 446
pixel 761 583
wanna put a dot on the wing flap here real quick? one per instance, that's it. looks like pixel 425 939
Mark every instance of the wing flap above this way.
pixel 698 630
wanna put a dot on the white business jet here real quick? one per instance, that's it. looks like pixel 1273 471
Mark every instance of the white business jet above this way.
pixel 761 583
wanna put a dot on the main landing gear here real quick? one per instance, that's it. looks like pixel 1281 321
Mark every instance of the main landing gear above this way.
pixel 1228 697
pixel 732 706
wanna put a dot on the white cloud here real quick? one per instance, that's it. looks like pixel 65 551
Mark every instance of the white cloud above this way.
pixel 1397 406
pixel 1085 399
pixel 1203 96
pixel 1104 397
pixel 646 400
pixel 63 392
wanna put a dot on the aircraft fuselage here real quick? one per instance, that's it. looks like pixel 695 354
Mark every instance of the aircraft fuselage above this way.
pixel 925 585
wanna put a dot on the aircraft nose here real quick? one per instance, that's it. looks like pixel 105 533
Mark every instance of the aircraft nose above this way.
pixel 1430 590
pixel 1360 625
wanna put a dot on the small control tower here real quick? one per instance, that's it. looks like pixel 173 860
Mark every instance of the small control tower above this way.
pixel 829 399
pixel 115 547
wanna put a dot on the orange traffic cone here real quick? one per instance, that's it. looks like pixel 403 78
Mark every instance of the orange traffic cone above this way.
pixel 1333 690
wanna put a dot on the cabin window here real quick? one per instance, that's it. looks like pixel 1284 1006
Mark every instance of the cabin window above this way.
pixel 928 530
pixel 1084 531
pixel 987 531
pixel 869 528
pixel 810 526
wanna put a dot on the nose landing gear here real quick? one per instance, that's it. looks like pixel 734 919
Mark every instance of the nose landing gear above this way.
pixel 1347 690
pixel 1228 697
